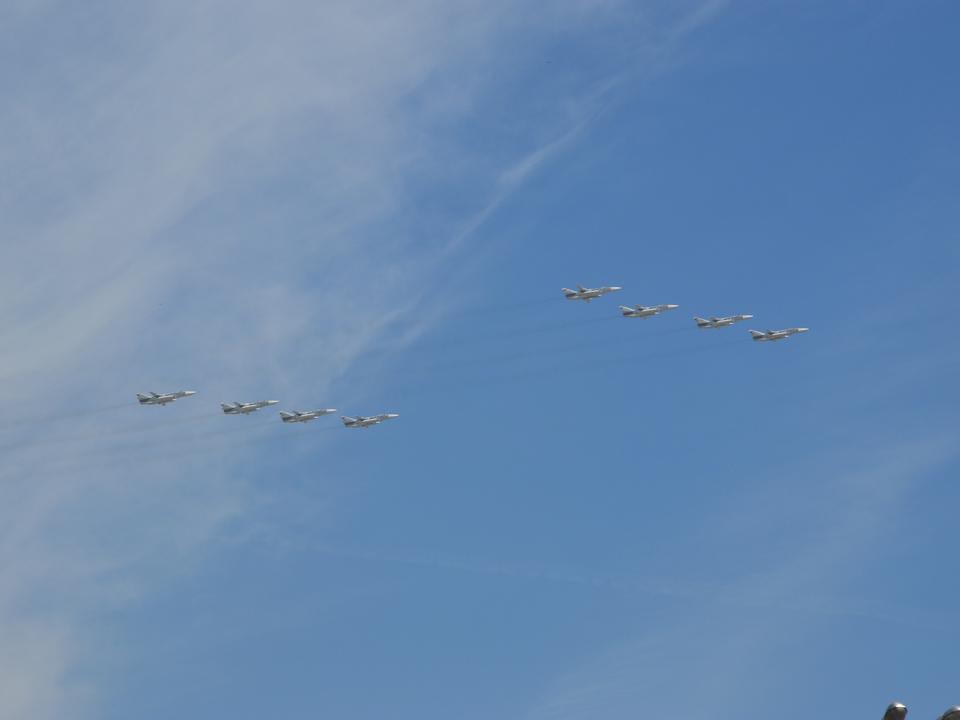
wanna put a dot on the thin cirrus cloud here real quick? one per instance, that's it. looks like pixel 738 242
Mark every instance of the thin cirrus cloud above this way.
pixel 191 192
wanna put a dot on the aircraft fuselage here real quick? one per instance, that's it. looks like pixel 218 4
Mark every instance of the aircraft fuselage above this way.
pixel 305 416
pixel 588 294
pixel 246 408
pixel 163 398
pixel 774 335
pixel 364 422
pixel 640 311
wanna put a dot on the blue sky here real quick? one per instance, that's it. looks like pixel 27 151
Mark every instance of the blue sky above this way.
pixel 374 207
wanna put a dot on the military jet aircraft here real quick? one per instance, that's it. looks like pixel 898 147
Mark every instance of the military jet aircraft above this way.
pixel 296 416
pixel 719 322
pixel 773 335
pixel 242 408
pixel 153 398
pixel 588 294
pixel 362 422
pixel 645 311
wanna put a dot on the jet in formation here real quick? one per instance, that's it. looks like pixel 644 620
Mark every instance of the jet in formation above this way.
pixel 295 416
pixel 719 322
pixel 245 408
pixel 645 311
pixel 588 294
pixel 772 335
pixel 153 398
pixel 361 421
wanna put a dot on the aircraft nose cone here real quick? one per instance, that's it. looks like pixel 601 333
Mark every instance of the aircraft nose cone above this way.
pixel 803 329
pixel 272 402
pixel 748 317
pixel 673 307
pixel 616 287
pixel 188 393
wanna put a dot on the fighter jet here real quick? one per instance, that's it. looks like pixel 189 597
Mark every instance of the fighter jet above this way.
pixel 588 294
pixel 645 311
pixel 296 416
pixel 153 398
pixel 773 335
pixel 242 408
pixel 719 322
pixel 363 422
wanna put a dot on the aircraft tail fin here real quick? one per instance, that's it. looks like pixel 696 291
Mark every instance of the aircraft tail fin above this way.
pixel 347 419
pixel 227 406
pixel 142 398
pixel 700 321
pixel 286 415
pixel 756 334
pixel 568 292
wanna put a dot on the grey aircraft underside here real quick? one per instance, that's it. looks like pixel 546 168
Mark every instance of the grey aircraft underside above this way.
pixel 361 421
pixel 645 311
pixel 153 398
pixel 588 294
pixel 719 322
pixel 299 416
pixel 245 408
pixel 773 335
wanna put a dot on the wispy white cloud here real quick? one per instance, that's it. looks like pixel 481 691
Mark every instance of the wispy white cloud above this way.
pixel 223 197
